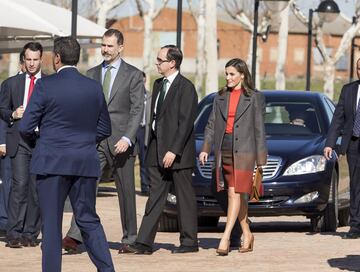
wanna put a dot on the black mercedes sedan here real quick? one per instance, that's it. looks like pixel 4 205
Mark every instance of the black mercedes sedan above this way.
pixel 297 179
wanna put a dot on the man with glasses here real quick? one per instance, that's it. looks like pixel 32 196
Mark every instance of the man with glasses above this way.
pixel 170 155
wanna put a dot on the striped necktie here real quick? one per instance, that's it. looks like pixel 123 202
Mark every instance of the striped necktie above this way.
pixel 356 128
pixel 106 83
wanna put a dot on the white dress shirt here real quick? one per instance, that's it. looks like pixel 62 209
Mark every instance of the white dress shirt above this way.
pixel 27 85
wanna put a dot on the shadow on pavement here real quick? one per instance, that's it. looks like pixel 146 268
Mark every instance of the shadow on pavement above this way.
pixel 348 263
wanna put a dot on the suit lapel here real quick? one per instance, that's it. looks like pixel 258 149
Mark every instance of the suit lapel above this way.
pixel 20 85
pixel 120 78
pixel 97 74
pixel 242 106
pixel 153 100
pixel 223 102
pixel 169 98
pixel 354 91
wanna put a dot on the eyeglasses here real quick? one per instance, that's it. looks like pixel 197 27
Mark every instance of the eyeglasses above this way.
pixel 160 61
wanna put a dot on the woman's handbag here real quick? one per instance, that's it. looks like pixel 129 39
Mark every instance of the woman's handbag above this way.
pixel 258 187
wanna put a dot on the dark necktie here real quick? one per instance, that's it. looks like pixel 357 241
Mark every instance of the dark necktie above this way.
pixel 161 97
pixel 31 87
pixel 356 128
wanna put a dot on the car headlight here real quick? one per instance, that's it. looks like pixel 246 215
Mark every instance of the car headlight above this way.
pixel 307 198
pixel 171 198
pixel 312 164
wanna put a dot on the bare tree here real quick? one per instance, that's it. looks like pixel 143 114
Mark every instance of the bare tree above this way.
pixel 330 60
pixel 148 14
pixel 212 83
pixel 280 83
pixel 199 17
pixel 241 10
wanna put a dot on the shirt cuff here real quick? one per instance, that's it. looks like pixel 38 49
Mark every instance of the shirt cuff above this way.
pixel 2 145
pixel 127 140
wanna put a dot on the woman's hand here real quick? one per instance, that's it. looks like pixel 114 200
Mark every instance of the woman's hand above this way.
pixel 203 157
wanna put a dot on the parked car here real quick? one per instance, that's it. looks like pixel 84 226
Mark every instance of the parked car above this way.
pixel 297 178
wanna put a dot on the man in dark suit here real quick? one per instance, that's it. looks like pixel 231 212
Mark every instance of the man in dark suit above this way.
pixel 141 135
pixel 124 92
pixel 23 211
pixel 5 178
pixel 346 123
pixel 170 155
pixel 65 158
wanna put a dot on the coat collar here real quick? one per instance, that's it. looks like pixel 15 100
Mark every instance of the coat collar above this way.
pixel 242 106
pixel 223 102
pixel 354 92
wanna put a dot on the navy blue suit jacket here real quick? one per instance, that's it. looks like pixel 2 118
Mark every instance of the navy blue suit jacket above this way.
pixel 72 116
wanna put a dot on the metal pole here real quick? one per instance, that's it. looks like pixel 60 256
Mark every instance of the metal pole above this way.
pixel 308 64
pixel 253 64
pixel 179 24
pixel 74 11
pixel 352 53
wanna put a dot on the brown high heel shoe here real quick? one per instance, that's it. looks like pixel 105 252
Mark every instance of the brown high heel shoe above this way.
pixel 249 248
pixel 224 252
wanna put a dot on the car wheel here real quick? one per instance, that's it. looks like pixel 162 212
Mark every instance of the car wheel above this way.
pixel 208 221
pixel 168 223
pixel 327 222
pixel 344 217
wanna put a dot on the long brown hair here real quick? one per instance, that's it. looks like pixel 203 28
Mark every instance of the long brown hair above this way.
pixel 242 68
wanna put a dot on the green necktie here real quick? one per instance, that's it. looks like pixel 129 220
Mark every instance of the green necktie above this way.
pixel 161 97
pixel 106 82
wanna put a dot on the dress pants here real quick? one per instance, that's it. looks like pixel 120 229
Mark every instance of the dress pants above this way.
pixel 353 158
pixel 5 184
pixel 144 177
pixel 160 184
pixel 52 191
pixel 23 208
pixel 123 167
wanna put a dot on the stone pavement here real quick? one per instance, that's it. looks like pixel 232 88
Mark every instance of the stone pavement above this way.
pixel 281 244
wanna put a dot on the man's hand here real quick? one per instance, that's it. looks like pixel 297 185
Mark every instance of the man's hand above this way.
pixel 328 153
pixel 18 113
pixel 2 150
pixel 121 146
pixel 203 157
pixel 168 159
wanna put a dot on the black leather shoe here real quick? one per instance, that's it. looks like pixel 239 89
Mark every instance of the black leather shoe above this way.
pixel 351 235
pixel 138 248
pixel 27 242
pixel 124 248
pixel 14 243
pixel 185 249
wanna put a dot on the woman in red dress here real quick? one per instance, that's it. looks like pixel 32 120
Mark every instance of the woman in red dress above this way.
pixel 236 129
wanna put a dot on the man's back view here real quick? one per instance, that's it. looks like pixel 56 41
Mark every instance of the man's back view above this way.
pixel 71 113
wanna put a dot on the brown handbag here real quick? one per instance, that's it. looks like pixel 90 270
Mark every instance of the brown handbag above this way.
pixel 258 187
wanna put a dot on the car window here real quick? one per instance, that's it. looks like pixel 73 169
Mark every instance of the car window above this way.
pixel 202 118
pixel 291 118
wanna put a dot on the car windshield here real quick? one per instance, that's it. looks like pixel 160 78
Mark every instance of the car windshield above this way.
pixel 281 118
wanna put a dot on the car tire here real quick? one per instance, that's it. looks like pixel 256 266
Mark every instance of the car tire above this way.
pixel 328 221
pixel 208 221
pixel 168 223
pixel 344 217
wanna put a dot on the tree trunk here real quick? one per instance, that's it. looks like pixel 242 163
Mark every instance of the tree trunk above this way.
pixel 282 50
pixel 211 47
pixel 200 46
pixel 147 52
pixel 329 77
pixel 13 64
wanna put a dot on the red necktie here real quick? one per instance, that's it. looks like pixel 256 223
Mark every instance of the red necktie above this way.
pixel 31 87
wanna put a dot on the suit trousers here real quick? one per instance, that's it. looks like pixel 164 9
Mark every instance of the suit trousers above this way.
pixel 160 183
pixel 353 158
pixel 23 208
pixel 5 185
pixel 144 177
pixel 52 191
pixel 123 167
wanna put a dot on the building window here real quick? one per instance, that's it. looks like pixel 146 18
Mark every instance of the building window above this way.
pixel 273 54
pixel 299 55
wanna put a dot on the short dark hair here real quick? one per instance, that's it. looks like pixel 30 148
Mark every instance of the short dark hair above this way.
pixel 68 49
pixel 33 46
pixel 22 56
pixel 175 54
pixel 114 32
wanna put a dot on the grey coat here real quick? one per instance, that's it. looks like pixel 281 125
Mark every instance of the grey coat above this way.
pixel 249 146
pixel 126 102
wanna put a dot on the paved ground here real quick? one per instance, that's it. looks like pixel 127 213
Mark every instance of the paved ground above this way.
pixel 281 244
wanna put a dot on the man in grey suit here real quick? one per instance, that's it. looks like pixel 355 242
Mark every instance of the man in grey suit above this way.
pixel 124 91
